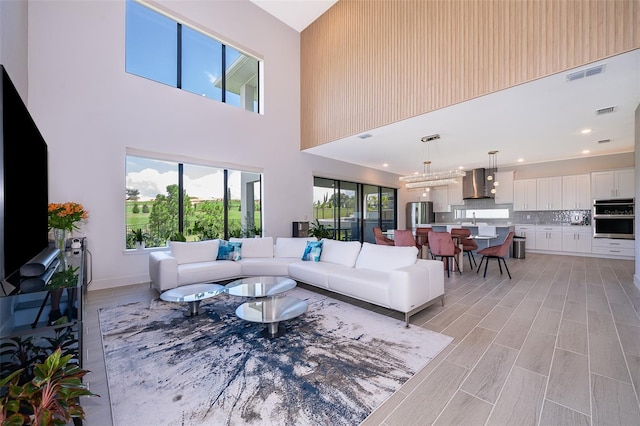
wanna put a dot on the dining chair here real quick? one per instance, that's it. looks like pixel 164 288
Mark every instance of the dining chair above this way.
pixel 441 244
pixel 496 252
pixel 404 238
pixel 468 244
pixel 422 241
pixel 381 238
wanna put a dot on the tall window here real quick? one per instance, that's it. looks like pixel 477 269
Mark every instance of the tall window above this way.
pixel 159 48
pixel 171 200
pixel 352 209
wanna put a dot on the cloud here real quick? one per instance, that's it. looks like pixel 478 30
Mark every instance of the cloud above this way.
pixel 151 182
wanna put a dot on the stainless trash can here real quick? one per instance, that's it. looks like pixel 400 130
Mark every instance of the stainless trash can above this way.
pixel 518 245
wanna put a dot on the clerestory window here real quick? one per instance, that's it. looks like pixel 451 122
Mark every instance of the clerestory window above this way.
pixel 165 50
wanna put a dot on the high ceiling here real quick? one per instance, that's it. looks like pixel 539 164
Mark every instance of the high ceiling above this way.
pixel 534 122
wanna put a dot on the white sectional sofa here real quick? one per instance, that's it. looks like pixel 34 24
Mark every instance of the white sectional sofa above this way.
pixel 387 276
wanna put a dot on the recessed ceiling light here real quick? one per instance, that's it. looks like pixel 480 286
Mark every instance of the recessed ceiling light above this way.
pixel 520 160
pixel 385 165
pixel 460 167
pixel 365 135
pixel 585 131
pixel 586 151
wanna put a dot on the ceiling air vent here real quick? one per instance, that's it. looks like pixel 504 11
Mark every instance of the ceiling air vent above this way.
pixel 586 73
pixel 604 141
pixel 606 110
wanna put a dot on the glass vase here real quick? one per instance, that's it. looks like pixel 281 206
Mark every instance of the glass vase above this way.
pixel 60 238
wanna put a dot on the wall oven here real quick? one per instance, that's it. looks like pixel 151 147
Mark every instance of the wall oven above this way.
pixel 614 219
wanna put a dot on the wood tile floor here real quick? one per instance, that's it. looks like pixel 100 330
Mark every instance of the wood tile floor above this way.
pixel 559 344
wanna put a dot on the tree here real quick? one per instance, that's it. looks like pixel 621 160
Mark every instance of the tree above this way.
pixel 132 194
pixel 145 208
pixel 136 209
pixel 163 219
pixel 209 220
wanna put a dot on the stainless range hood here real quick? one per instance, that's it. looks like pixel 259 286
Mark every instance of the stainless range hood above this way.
pixel 475 184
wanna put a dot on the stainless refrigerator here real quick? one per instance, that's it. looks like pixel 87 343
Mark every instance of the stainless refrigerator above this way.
pixel 418 213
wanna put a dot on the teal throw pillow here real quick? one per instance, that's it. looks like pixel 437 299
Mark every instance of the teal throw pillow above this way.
pixel 229 250
pixel 312 251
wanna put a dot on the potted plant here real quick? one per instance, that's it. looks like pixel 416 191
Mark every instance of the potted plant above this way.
pixel 52 397
pixel 320 231
pixel 138 237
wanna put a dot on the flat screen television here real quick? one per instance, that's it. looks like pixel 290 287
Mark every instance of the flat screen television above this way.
pixel 23 183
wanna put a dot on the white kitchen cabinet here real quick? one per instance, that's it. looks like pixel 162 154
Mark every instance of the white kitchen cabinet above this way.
pixel 525 194
pixel 440 198
pixel 576 192
pixel 455 194
pixel 549 193
pixel 613 184
pixel 577 239
pixel 529 233
pixel 504 190
pixel 549 238
pixel 613 247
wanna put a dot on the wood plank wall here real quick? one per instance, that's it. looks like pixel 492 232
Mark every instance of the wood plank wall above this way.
pixel 368 63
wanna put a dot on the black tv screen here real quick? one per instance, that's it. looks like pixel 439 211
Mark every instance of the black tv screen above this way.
pixel 24 183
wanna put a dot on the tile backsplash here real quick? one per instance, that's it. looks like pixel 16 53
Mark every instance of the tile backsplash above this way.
pixel 547 217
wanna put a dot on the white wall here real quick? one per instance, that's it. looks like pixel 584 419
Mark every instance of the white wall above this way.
pixel 13 43
pixel 89 110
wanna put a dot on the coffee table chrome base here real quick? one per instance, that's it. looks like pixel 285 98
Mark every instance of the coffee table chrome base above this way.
pixel 273 330
pixel 194 309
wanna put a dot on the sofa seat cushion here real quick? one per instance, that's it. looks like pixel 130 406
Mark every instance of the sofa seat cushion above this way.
pixel 383 258
pixel 314 273
pixel 340 252
pixel 291 246
pixel 364 284
pixel 269 266
pixel 255 247
pixel 200 272
pixel 193 252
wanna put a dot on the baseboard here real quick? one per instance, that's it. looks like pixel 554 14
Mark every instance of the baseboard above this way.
pixel 117 282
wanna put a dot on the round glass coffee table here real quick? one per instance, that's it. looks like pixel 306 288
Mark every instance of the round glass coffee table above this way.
pixel 192 294
pixel 259 286
pixel 267 305
pixel 271 311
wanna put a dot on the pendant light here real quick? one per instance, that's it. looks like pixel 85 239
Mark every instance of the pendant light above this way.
pixel 493 169
pixel 428 179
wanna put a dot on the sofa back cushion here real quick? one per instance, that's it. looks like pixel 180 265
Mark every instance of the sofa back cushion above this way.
pixel 291 246
pixel 255 247
pixel 383 258
pixel 197 251
pixel 340 252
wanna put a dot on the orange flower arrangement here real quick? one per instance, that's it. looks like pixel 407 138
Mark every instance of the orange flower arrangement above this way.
pixel 65 215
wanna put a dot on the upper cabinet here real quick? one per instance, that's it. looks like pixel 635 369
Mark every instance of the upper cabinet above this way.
pixel 504 190
pixel 613 184
pixel 455 193
pixel 525 194
pixel 440 198
pixel 576 192
pixel 549 193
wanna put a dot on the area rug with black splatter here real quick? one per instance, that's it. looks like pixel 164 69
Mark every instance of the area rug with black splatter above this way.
pixel 333 365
